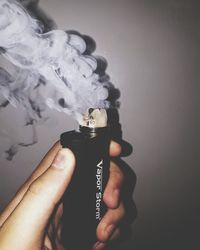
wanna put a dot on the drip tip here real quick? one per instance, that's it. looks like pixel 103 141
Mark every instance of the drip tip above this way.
pixel 95 118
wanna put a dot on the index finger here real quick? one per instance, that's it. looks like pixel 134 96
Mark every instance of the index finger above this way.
pixel 115 149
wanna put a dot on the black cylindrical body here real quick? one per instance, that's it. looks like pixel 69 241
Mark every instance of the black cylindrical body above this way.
pixel 83 200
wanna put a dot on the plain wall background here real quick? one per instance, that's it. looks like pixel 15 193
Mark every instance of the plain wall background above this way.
pixel 152 48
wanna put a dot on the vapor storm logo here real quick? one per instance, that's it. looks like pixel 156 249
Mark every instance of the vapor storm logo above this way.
pixel 99 188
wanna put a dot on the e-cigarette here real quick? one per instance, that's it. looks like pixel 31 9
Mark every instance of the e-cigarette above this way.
pixel 83 199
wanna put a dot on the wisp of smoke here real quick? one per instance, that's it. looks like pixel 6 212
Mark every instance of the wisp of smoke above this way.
pixel 49 69
pixel 55 59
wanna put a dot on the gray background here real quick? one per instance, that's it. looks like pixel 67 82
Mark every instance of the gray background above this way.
pixel 152 48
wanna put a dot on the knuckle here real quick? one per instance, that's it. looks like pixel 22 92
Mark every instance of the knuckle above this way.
pixel 42 192
pixel 120 212
pixel 115 148
pixel 118 176
pixel 100 233
pixel 40 188
pixel 36 187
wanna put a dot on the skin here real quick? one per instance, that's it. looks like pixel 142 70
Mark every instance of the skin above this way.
pixel 31 221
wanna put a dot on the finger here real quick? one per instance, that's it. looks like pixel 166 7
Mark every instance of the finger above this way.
pixel 47 243
pixel 55 221
pixel 99 246
pixel 58 216
pixel 109 223
pixel 53 231
pixel 115 235
pixel 115 149
pixel 33 212
pixel 45 163
pixel 112 191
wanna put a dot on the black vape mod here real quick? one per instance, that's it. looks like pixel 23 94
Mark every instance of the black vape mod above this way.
pixel 83 200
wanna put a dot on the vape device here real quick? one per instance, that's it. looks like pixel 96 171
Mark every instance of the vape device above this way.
pixel 83 200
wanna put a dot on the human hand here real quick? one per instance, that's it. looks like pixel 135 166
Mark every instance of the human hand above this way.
pixel 32 219
pixel 108 229
pixel 26 223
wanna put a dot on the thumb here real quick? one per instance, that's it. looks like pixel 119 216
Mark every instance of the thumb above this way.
pixel 31 216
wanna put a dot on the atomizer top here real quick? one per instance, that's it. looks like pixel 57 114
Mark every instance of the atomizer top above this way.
pixel 95 118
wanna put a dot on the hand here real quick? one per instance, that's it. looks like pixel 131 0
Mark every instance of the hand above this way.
pixel 108 229
pixel 32 219
pixel 26 222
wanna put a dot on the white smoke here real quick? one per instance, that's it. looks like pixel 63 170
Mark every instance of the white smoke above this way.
pixel 50 68
pixel 47 68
